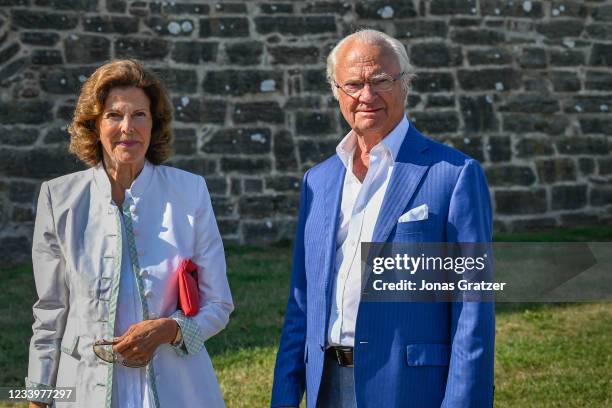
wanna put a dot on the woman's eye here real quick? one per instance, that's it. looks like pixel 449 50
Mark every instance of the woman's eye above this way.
pixel 140 114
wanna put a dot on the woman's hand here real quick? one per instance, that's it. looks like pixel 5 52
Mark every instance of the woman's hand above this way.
pixel 34 404
pixel 141 340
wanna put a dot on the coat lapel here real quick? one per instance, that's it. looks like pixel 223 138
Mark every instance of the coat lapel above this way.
pixel 411 164
pixel 333 195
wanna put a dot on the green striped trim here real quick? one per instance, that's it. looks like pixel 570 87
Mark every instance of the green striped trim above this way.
pixel 127 219
pixel 192 336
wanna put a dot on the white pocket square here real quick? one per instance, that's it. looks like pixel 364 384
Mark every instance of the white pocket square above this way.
pixel 416 214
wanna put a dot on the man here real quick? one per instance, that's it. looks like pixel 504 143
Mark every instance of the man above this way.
pixel 347 352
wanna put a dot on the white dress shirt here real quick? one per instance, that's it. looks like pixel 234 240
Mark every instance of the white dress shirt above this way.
pixel 359 209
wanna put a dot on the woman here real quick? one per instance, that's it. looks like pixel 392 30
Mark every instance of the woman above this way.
pixel 106 248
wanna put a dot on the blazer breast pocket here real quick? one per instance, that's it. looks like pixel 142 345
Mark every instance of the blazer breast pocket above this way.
pixel 428 354
pixel 411 228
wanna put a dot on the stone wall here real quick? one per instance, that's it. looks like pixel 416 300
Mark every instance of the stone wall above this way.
pixel 523 86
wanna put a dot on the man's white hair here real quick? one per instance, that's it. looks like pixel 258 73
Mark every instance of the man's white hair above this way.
pixel 369 36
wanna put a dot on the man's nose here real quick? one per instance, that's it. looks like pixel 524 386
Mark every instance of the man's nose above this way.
pixel 367 92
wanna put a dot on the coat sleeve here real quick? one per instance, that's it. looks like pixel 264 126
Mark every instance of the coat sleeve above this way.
pixel 470 376
pixel 215 297
pixel 290 369
pixel 51 308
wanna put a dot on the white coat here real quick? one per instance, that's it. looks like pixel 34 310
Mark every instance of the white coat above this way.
pixel 77 250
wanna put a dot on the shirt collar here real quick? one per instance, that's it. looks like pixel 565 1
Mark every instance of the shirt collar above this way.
pixel 137 189
pixel 391 142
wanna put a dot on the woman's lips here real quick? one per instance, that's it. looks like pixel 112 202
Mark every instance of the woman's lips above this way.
pixel 127 143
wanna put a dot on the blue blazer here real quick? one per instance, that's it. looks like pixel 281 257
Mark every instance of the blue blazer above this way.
pixel 406 354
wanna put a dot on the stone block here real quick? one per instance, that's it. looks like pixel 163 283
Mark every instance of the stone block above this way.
pixel 196 8
pixel 245 165
pixel 596 125
pixel 434 82
pixel 253 185
pixel 291 55
pixel 563 9
pixel 228 227
pixel 38 162
pixel 452 7
pixel 478 113
pixel 178 80
pixel 168 26
pixel 421 29
pixel 598 81
pixel 477 36
pixel 10 51
pixel 23 192
pixel 185 141
pixel 233 82
pixel 601 55
pixel 569 197
pixel 440 101
pixel 604 165
pixel 251 112
pixel 499 79
pixel 18 136
pixel 196 110
pixel 504 8
pixel 555 170
pixel 489 56
pixel 290 25
pixel 283 183
pixel 244 52
pixel 323 7
pixel 315 151
pixel 435 55
pixel 436 122
pixel 284 151
pixel 563 58
pixel 523 123
pixel 226 27
pixel 111 24
pixel 582 145
pixel 116 6
pixel 267 232
pixel 500 149
pixel 74 5
pixel 15 250
pixel 46 57
pixel 384 10
pixel 239 141
pixel 276 8
pixel 86 49
pixel 561 28
pixel 599 31
pixel 266 206
pixel 472 146
pixel 192 52
pixel 564 81
pixel 516 202
pixel 40 20
pixel 510 175
pixel 588 104
pixel 141 48
pixel 230 8
pixel 28 112
pixel 315 80
pixel 534 146
pixel 602 13
pixel 57 134
pixel 65 80
pixel 39 38
pixel 314 123
pixel 197 165
pixel 530 103
pixel 586 165
pixel 601 196
pixel 533 58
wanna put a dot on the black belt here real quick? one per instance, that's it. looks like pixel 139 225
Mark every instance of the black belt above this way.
pixel 343 355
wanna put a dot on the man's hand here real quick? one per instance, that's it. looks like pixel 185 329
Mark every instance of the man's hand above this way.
pixel 34 404
pixel 141 340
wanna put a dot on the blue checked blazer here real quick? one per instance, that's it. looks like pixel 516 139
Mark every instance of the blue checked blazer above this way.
pixel 406 354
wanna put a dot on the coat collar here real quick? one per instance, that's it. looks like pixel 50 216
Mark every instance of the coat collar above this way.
pixel 137 189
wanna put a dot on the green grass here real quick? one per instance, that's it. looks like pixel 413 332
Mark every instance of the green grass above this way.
pixel 552 355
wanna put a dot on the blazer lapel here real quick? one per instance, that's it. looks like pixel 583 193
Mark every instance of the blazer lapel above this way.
pixel 410 165
pixel 333 195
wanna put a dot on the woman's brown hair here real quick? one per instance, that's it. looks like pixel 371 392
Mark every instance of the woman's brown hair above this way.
pixel 84 140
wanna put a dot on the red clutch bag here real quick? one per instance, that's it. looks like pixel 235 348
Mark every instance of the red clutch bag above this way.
pixel 189 301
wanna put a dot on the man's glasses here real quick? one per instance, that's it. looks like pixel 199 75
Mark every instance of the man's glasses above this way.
pixel 103 349
pixel 380 83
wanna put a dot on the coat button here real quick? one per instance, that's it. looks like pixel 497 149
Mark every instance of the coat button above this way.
pixel 144 273
pixel 148 294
